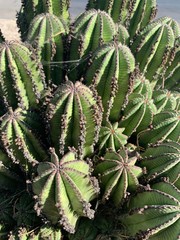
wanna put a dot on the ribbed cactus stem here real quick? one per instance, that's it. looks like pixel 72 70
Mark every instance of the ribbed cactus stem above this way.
pixel 111 73
pixel 75 117
pixel 21 76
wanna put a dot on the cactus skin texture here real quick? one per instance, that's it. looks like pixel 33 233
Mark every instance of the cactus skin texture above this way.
pixel 31 8
pixel 64 189
pixel 165 125
pixel 135 15
pixel 111 137
pixel 21 78
pixel 122 34
pixel 162 160
pixel 118 174
pixel 46 36
pixel 138 114
pixel 75 118
pixel 154 213
pixel 152 48
pixel 19 140
pixel 142 86
pixel 111 73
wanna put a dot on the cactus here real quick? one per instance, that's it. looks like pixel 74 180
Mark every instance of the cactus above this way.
pixel 78 116
pixel 18 139
pixel 142 86
pixel 117 175
pixel 122 34
pixel 154 213
pixel 138 114
pixel 111 137
pixel 111 74
pixel 152 48
pixel 165 125
pixel 162 160
pixel 31 8
pixel 21 78
pixel 46 35
pixel 64 189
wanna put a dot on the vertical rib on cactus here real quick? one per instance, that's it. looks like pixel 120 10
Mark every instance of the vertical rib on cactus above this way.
pixel 19 141
pixel 117 173
pixel 165 125
pixel 110 73
pixel 64 189
pixel 122 34
pixel 21 78
pixel 31 8
pixel 138 114
pixel 75 118
pixel 152 48
pixel 142 86
pixel 46 36
pixel 162 160
pixel 154 213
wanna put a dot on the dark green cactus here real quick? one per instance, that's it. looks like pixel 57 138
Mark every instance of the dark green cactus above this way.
pixel 154 213
pixel 31 8
pixel 138 114
pixel 162 160
pixel 152 48
pixel 118 174
pixel 75 118
pixel 18 139
pixel 46 36
pixel 111 137
pixel 111 73
pixel 21 76
pixel 165 125
pixel 64 189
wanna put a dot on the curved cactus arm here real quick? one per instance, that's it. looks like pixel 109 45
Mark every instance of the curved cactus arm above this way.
pixel 64 189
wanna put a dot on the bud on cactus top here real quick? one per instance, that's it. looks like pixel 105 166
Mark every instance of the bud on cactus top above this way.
pixel 75 118
pixel 21 78
pixel 46 36
pixel 118 173
pixel 64 189
pixel 110 73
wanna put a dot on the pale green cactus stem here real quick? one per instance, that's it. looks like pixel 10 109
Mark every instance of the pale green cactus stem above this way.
pixel 154 213
pixel 152 48
pixel 165 125
pixel 47 232
pixel 112 74
pixel 64 189
pixel 19 140
pixel 111 137
pixel 142 86
pixel 90 30
pixel 162 160
pixel 31 8
pixel 122 34
pixel 138 114
pixel 21 76
pixel 164 100
pixel 75 117
pixel 46 34
pixel 117 174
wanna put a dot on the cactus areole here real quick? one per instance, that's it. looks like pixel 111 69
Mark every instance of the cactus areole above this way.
pixel 90 123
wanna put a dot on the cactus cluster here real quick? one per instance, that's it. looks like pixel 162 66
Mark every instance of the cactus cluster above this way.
pixel 90 123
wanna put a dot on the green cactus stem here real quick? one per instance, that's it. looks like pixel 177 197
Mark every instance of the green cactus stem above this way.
pixel 31 8
pixel 21 76
pixel 47 232
pixel 165 125
pixel 142 86
pixel 152 48
pixel 122 34
pixel 111 73
pixel 64 190
pixel 138 114
pixel 89 31
pixel 118 174
pixel 19 140
pixel 162 160
pixel 111 137
pixel 46 34
pixel 154 213
pixel 75 117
